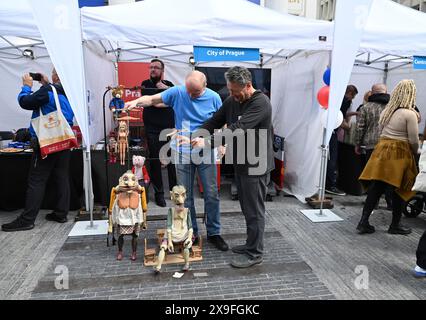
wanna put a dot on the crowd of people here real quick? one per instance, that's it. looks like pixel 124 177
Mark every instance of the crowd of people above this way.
pixel 386 134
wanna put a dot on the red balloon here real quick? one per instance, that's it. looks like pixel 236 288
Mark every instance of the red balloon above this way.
pixel 323 95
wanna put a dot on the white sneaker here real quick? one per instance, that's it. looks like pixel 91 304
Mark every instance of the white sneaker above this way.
pixel 419 272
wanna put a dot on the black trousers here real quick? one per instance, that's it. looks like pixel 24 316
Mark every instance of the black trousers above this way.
pixel 154 146
pixel 252 195
pixel 375 191
pixel 421 252
pixel 331 175
pixel 57 165
pixel 389 189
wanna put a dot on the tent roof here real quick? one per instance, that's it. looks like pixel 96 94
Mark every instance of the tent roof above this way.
pixel 229 23
pixel 392 28
pixel 16 19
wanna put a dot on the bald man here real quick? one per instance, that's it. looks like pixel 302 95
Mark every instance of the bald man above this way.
pixel 367 126
pixel 193 104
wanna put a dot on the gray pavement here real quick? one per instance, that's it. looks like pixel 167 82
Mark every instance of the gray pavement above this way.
pixel 303 260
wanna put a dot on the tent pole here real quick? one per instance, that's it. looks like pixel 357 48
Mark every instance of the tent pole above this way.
pixel 323 168
pixel 385 74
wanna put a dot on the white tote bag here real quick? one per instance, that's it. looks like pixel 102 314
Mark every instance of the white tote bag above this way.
pixel 53 131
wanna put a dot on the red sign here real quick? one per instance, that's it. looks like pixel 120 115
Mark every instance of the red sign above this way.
pixel 131 74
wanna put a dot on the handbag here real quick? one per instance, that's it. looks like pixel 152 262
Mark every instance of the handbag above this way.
pixel 53 132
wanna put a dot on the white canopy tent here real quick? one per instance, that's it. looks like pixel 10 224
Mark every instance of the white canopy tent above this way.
pixel 58 27
pixel 297 50
pixel 382 27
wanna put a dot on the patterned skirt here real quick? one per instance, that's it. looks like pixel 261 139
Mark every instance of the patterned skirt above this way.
pixel 124 230
pixel 392 161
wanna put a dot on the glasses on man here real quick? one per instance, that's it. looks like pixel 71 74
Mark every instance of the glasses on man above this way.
pixel 155 68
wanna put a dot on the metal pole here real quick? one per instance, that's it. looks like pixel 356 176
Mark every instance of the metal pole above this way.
pixel 89 184
pixel 105 145
pixel 323 168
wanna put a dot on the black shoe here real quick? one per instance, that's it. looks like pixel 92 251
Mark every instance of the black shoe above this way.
pixel 239 249
pixel 17 225
pixel 399 229
pixel 244 261
pixel 365 228
pixel 335 191
pixel 54 217
pixel 218 242
pixel 159 200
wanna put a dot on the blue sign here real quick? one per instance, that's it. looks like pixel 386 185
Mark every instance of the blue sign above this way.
pixel 225 54
pixel 419 62
pixel 255 1
pixel 91 3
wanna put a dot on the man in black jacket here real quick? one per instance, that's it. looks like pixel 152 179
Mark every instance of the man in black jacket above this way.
pixel 155 120
pixel 247 113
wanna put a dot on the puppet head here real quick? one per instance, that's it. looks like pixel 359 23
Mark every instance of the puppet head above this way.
pixel 178 196
pixel 128 181
pixel 138 161
pixel 118 92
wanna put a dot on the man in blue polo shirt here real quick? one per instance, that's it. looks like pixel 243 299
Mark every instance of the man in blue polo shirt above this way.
pixel 193 104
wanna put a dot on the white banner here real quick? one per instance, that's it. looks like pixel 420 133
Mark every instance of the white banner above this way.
pixel 350 19
pixel 59 25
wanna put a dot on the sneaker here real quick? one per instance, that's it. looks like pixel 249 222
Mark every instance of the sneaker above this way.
pixel 54 217
pixel 335 191
pixel 218 242
pixel 419 272
pixel 239 249
pixel 17 225
pixel 244 261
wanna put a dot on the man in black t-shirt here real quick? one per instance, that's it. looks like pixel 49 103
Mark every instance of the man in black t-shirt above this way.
pixel 155 120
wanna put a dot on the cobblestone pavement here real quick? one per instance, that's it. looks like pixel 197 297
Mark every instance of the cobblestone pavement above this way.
pixel 303 260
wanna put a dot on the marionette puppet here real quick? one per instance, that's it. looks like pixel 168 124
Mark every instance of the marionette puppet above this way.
pixel 127 212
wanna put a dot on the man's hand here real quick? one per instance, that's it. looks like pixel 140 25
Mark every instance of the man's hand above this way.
pixel 198 142
pixel 44 80
pixel 27 80
pixel 161 85
pixel 131 104
pixel 357 150
pixel 180 140
pixel 221 150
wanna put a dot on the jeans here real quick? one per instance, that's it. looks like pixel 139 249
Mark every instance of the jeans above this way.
pixel 207 172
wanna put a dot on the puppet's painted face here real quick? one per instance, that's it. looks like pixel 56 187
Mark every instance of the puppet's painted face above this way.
pixel 122 126
pixel 112 142
pixel 128 180
pixel 178 195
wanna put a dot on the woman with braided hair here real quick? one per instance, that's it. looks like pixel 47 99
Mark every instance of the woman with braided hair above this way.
pixel 392 162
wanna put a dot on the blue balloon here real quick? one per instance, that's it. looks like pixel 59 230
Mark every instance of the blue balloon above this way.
pixel 326 76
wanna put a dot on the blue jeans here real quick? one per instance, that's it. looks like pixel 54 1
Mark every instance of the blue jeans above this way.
pixel 207 172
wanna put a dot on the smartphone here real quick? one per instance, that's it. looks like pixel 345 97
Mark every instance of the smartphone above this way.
pixel 35 76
